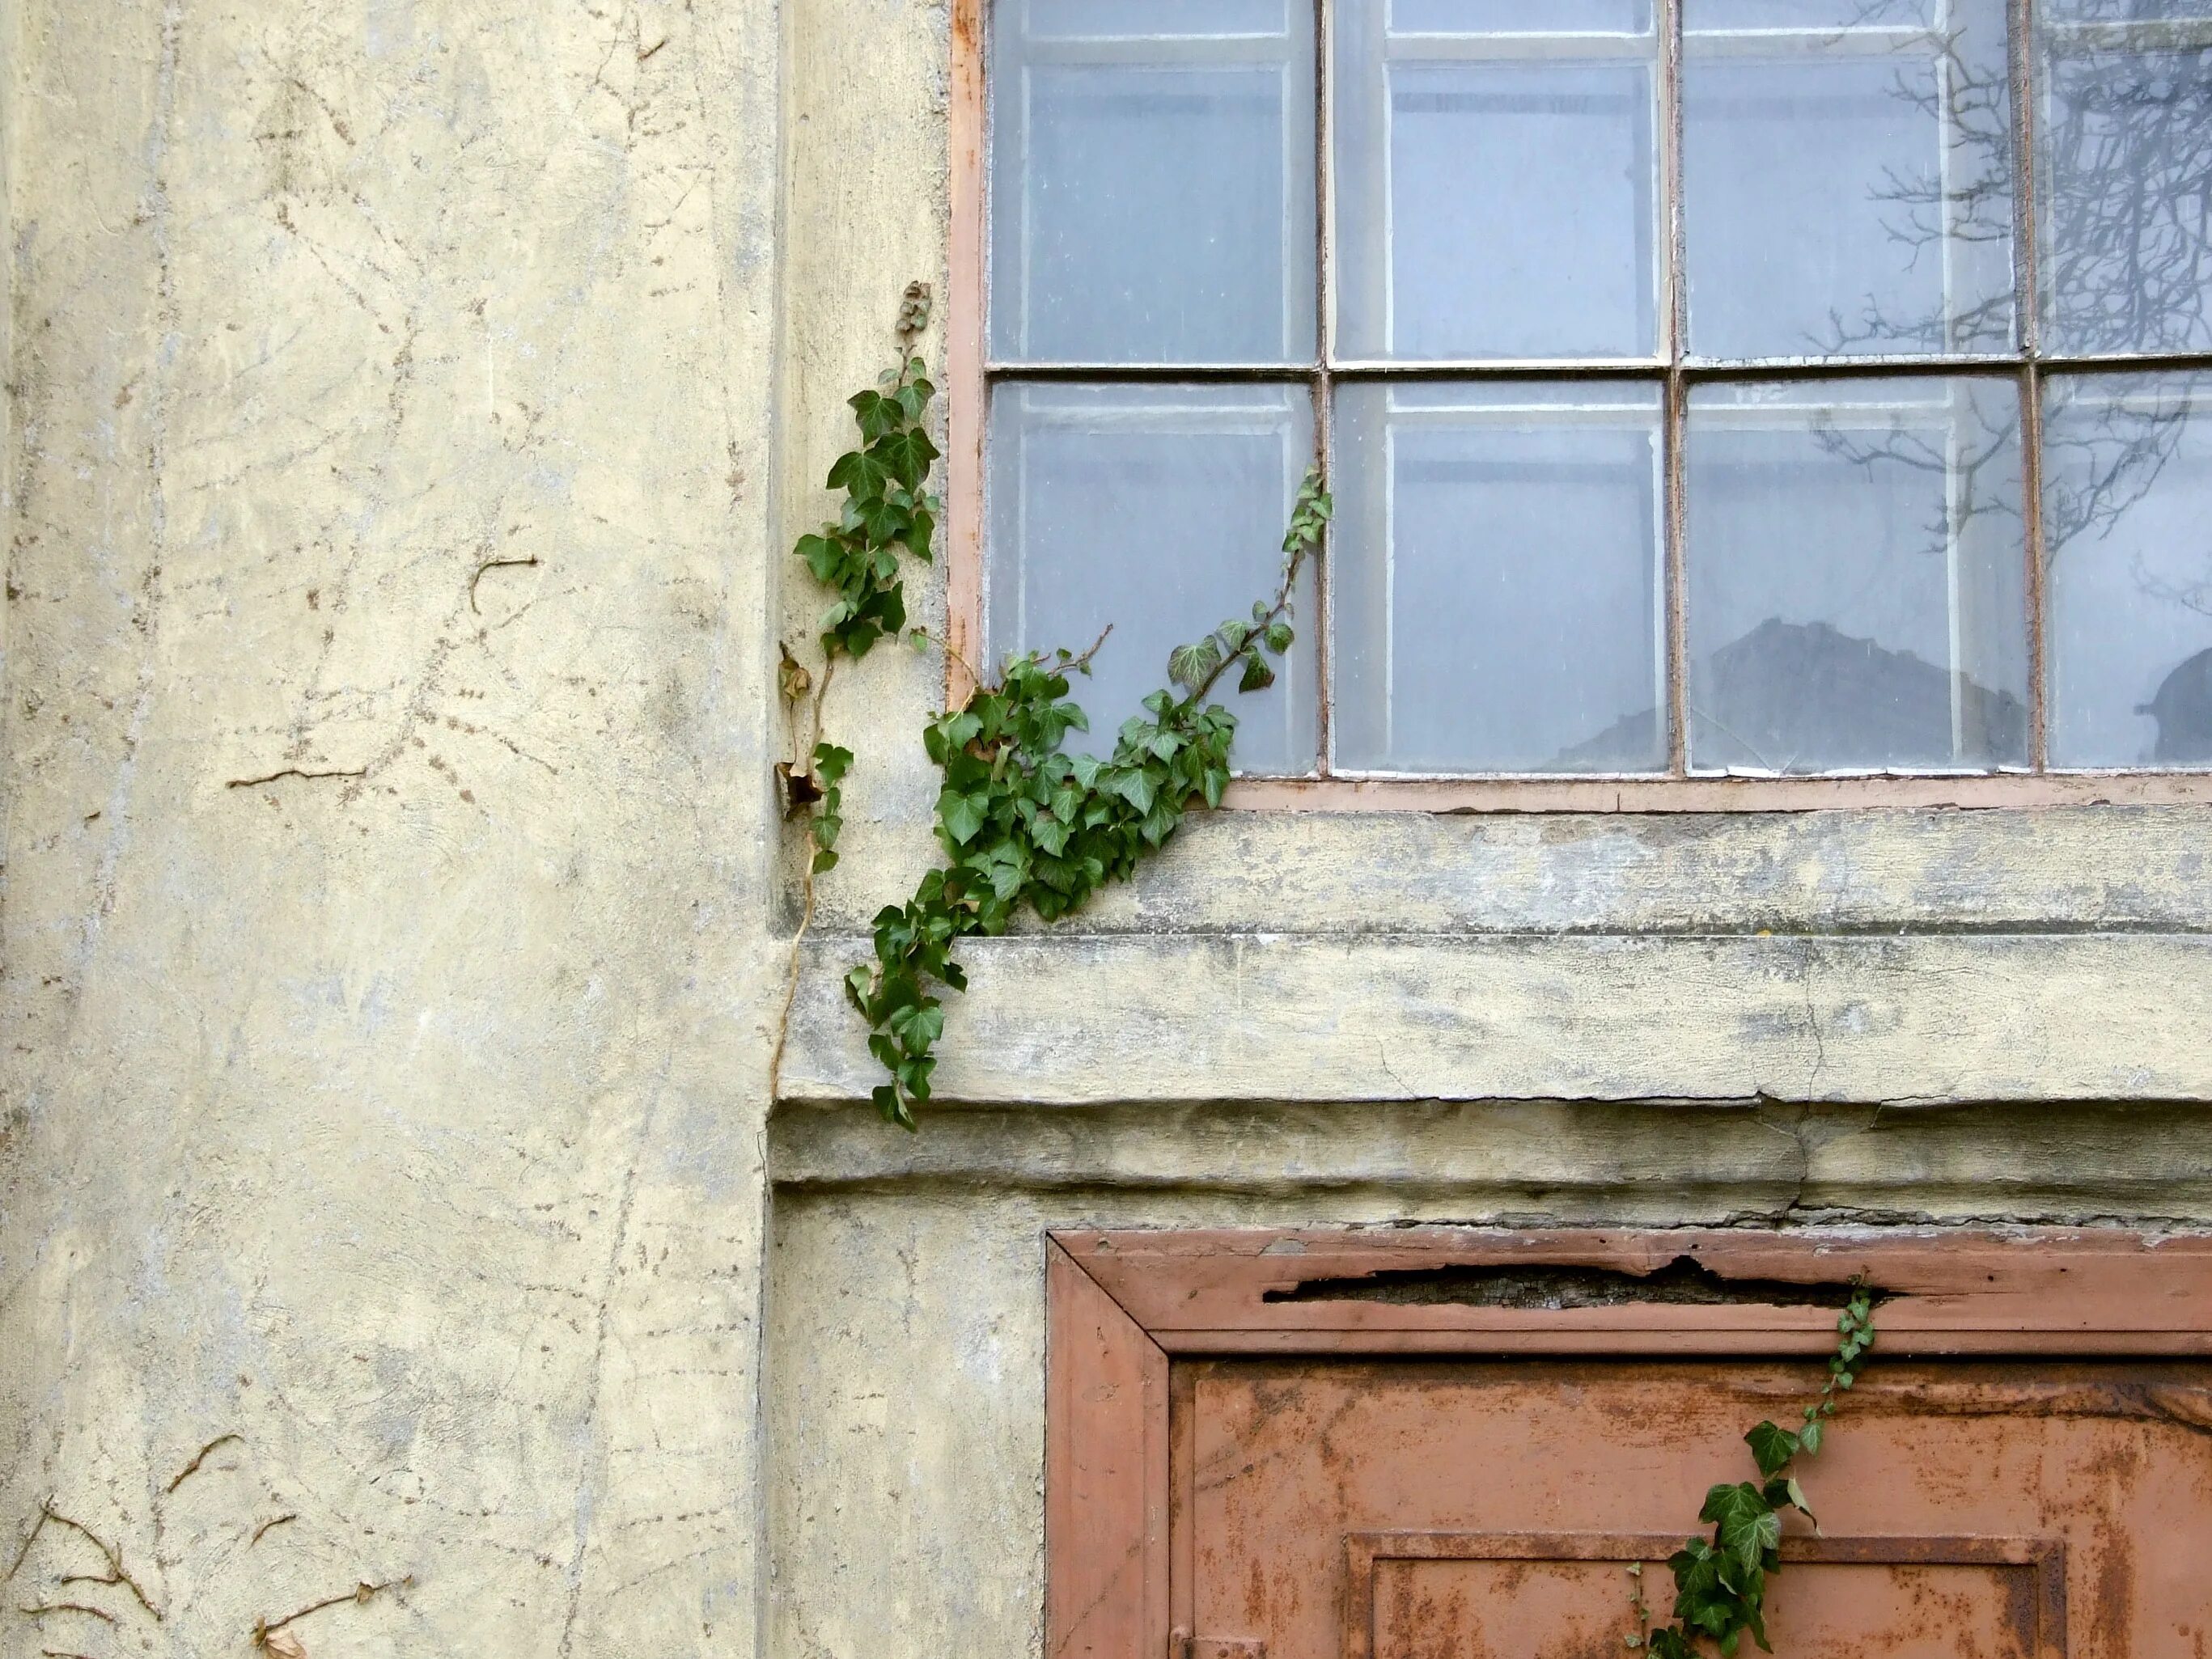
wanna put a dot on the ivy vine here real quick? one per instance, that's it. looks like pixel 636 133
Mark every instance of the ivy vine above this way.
pixel 1024 825
pixel 1720 1585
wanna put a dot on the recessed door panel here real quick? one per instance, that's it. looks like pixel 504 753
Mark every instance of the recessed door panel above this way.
pixel 1447 1510
pixel 1462 1595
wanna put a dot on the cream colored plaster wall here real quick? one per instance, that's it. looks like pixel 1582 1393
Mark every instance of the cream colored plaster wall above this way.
pixel 412 400
pixel 387 944
pixel 907 1332
pixel 1924 1018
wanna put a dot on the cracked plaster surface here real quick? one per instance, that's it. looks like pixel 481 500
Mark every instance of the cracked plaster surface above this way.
pixel 409 402
pixel 385 942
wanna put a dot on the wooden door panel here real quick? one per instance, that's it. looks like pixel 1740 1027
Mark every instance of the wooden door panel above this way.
pixel 1395 1509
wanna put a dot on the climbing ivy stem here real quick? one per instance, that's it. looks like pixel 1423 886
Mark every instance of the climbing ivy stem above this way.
pixel 1720 1585
pixel 1275 615
pixel 1025 825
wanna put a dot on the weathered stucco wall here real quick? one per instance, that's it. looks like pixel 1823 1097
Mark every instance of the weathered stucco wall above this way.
pixel 411 403
pixel 402 1122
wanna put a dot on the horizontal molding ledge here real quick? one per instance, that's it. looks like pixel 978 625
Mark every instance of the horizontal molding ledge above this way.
pixel 2116 869
pixel 1081 1019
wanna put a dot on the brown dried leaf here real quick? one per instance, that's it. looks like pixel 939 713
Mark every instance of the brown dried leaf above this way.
pixel 284 1645
pixel 791 678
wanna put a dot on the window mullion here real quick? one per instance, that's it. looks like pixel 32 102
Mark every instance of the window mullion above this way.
pixel 1674 321
pixel 1321 630
pixel 2027 240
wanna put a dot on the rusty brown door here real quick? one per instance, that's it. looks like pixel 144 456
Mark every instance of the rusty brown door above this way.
pixel 1438 1509
pixel 1447 1443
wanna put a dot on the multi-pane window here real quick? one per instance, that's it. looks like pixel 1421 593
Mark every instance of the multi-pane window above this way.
pixel 1709 387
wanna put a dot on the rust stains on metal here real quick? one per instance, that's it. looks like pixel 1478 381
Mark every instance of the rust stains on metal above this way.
pixel 2028 1473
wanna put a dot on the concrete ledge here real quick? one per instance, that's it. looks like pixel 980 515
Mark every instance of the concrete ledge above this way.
pixel 1526 1161
pixel 1091 1020
pixel 2118 868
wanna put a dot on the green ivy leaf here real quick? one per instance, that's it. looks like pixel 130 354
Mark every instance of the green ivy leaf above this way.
pixel 1796 1494
pixel 963 816
pixel 877 414
pixel 1135 786
pixel 1190 666
pixel 1771 1448
pixel 862 471
pixel 907 455
pixel 823 557
pixel 1746 1527
pixel 1257 676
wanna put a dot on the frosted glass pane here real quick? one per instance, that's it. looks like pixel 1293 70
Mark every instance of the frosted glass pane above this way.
pixel 1123 19
pixel 1850 201
pixel 1497 579
pixel 1808 14
pixel 2126 183
pixel 1159 509
pixel 1856 577
pixel 2123 11
pixel 2128 490
pixel 1500 209
pixel 1530 16
pixel 1152 197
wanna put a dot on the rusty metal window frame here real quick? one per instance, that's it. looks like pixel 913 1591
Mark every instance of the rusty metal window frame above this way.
pixel 973 375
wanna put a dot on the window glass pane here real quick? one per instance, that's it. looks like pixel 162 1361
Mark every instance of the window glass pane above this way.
pixel 1496 577
pixel 1544 16
pixel 1809 14
pixel 1857 576
pixel 1152 197
pixel 1847 191
pixel 2127 491
pixel 1066 20
pixel 1493 199
pixel 2123 11
pixel 2126 179
pixel 1159 509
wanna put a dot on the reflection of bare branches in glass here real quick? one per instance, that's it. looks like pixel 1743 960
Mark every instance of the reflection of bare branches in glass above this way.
pixel 2126 182
pixel 1969 104
pixel 1977 438
pixel 2103 455
pixel 2124 185
pixel 2127 203
pixel 2124 203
